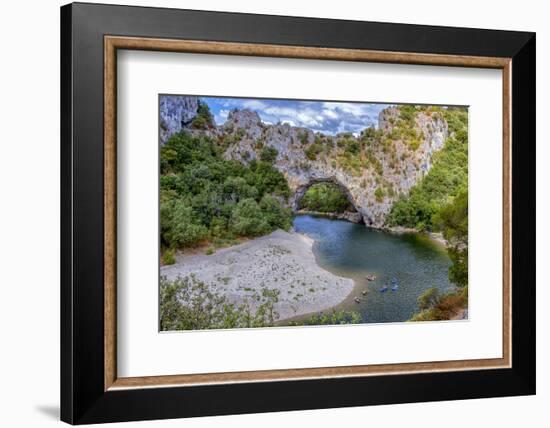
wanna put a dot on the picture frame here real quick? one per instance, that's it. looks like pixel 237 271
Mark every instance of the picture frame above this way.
pixel 91 390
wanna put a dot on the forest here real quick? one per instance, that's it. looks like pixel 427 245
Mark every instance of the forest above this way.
pixel 205 198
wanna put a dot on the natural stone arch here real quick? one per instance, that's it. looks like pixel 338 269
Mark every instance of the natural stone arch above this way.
pixel 302 189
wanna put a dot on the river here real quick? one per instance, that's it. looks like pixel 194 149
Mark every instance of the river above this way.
pixel 413 260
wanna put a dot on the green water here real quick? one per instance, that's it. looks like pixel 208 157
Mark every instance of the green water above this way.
pixel 354 251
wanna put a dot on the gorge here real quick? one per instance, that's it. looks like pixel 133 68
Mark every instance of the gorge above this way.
pixel 374 168
pixel 268 218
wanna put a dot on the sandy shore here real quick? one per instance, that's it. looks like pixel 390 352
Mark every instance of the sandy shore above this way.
pixel 281 260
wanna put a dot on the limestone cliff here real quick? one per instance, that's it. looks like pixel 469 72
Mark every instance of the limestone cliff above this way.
pixel 372 168
pixel 176 113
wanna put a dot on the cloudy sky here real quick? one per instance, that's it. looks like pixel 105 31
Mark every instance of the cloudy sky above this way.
pixel 326 117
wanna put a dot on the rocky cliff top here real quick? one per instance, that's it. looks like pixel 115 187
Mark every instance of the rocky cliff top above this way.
pixel 176 113
pixel 246 119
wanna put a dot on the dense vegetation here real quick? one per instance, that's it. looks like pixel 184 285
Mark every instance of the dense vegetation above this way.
pixel 206 308
pixel 445 180
pixel 325 198
pixel 452 220
pixel 436 307
pixel 190 304
pixel 206 198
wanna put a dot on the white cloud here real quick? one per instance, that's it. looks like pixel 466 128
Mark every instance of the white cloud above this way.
pixel 254 104
pixel 330 113
pixel 221 117
pixel 325 117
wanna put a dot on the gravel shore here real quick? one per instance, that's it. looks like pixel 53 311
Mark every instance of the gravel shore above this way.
pixel 281 260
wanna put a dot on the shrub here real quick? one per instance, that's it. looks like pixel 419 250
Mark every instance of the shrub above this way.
pixel 269 154
pixel 277 216
pixel 352 147
pixel 203 119
pixel 414 144
pixel 332 318
pixel 435 308
pixel 177 224
pixel 168 257
pixel 190 304
pixel 407 113
pixel 379 194
pixel 313 151
pixel 429 298
pixel 303 137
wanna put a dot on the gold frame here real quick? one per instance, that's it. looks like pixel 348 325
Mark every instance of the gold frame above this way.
pixel 113 43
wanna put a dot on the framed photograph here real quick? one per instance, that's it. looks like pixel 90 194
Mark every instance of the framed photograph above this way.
pixel 267 213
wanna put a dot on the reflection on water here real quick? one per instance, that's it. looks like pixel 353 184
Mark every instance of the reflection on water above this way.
pixel 412 261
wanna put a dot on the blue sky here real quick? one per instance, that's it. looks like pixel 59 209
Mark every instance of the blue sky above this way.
pixel 326 117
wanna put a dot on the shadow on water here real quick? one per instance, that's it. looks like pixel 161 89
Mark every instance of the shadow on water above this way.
pixel 412 260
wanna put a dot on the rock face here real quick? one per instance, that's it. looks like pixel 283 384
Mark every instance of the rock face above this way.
pixel 373 169
pixel 176 113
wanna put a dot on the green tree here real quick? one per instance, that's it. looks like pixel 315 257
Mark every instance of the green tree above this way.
pixel 178 227
pixel 313 150
pixel 453 221
pixel 200 192
pixel 237 188
pixel 277 216
pixel 269 154
pixel 204 118
pixel 326 198
pixel 247 219
pixel 379 194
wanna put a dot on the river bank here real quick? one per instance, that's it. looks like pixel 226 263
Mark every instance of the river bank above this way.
pixel 352 217
pixel 434 236
pixel 282 261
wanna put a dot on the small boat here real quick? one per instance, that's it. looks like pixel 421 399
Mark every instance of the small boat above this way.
pixel 364 292
pixel 395 287
pixel 394 280
pixel 371 277
pixel 384 289
pixel 357 300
